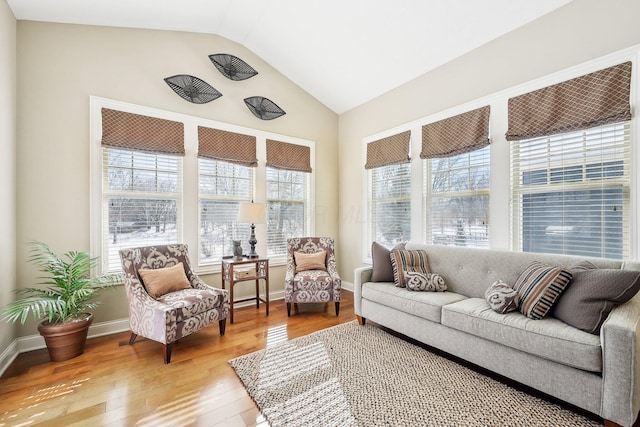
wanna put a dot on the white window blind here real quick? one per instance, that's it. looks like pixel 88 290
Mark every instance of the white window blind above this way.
pixel 288 194
pixel 457 199
pixel 141 201
pixel 571 192
pixel 390 204
pixel 222 187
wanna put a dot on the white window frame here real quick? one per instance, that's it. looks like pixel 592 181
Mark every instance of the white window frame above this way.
pixel 578 157
pixel 305 203
pixel 189 217
pixel 428 193
pixel 239 231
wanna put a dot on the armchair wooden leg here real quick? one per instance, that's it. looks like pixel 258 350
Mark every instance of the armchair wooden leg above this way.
pixel 337 308
pixel 132 338
pixel 288 309
pixel 223 326
pixel 361 320
pixel 166 351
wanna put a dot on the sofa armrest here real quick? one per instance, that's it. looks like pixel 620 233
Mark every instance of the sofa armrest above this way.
pixel 361 275
pixel 620 336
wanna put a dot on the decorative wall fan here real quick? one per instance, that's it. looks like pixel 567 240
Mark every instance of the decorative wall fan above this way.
pixel 232 67
pixel 192 88
pixel 264 108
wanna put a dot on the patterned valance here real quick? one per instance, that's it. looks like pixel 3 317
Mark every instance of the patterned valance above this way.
pixel 392 150
pixel 282 155
pixel 142 133
pixel 456 135
pixel 588 101
pixel 227 146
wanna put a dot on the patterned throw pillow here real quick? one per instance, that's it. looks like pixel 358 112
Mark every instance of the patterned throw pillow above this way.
pixel 403 260
pixel 502 297
pixel 429 282
pixel 539 286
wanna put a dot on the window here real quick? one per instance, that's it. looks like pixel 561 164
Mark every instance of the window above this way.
pixel 457 199
pixel 287 201
pixel 141 201
pixel 390 204
pixel 222 186
pixel 159 177
pixel 571 192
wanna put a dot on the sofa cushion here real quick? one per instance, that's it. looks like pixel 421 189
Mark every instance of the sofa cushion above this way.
pixel 381 257
pixel 501 297
pixel 403 260
pixel 548 338
pixel 593 293
pixel 539 286
pixel 427 305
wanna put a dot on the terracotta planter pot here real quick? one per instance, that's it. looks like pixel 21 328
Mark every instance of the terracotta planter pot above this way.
pixel 65 340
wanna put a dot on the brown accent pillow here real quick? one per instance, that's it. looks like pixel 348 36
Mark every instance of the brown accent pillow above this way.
pixel 593 294
pixel 313 261
pixel 161 281
pixel 380 255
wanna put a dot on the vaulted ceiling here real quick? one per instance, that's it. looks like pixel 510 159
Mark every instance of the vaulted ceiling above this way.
pixel 342 52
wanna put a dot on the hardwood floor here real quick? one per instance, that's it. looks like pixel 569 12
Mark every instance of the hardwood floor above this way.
pixel 115 384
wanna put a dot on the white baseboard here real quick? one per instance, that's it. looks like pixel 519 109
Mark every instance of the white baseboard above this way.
pixel 8 356
pixel 36 342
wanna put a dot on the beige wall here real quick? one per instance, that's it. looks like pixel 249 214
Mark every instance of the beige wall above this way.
pixel 7 166
pixel 61 66
pixel 573 34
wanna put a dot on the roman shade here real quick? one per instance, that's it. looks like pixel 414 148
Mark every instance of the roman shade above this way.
pixel 142 133
pixel 227 146
pixel 456 135
pixel 283 155
pixel 392 150
pixel 584 102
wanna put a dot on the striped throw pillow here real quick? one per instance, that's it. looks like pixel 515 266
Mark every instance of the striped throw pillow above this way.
pixel 403 260
pixel 539 286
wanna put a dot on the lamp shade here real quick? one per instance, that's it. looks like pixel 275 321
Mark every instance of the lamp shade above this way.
pixel 252 213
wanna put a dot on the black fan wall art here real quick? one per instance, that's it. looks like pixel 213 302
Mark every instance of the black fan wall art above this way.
pixel 264 108
pixel 232 67
pixel 192 88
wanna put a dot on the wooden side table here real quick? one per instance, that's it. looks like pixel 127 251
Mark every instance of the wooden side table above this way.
pixel 234 271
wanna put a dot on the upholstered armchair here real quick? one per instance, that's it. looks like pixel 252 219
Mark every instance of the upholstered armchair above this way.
pixel 308 282
pixel 167 317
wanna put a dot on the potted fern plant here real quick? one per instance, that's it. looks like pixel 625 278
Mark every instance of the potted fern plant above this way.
pixel 63 305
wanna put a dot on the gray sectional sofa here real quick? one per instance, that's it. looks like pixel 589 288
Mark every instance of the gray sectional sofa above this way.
pixel 597 372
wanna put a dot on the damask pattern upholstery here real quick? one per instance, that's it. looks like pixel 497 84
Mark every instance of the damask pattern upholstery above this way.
pixel 312 285
pixel 176 314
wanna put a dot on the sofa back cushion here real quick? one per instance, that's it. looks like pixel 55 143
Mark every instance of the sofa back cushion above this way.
pixel 470 271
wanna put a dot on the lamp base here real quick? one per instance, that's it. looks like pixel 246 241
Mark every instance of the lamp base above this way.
pixel 253 256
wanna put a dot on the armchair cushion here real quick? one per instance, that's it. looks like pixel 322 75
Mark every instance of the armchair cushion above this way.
pixel 310 261
pixel 190 302
pixel 161 281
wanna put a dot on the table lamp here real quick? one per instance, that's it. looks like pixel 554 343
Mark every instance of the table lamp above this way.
pixel 252 213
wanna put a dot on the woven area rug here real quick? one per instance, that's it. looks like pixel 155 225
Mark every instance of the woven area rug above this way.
pixel 352 375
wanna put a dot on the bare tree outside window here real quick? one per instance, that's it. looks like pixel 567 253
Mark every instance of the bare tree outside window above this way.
pixel 458 199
